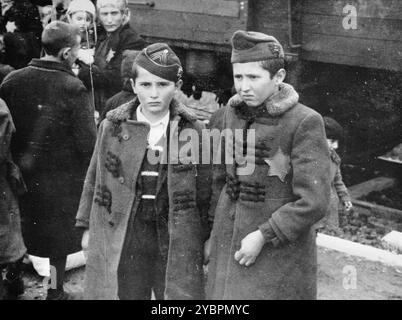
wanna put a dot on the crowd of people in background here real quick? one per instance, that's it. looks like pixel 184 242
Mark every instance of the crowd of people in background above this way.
pixel 66 66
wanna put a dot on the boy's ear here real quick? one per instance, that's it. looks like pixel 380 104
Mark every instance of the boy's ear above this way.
pixel 127 16
pixel 133 85
pixel 280 76
pixel 64 53
pixel 179 84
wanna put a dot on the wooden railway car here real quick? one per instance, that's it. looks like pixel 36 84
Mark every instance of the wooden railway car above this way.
pixel 365 33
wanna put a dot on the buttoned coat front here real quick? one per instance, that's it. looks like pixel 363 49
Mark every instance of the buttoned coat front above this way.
pixel 109 196
pixel 287 192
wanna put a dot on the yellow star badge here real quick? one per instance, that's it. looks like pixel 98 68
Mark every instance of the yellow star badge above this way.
pixel 110 55
pixel 279 165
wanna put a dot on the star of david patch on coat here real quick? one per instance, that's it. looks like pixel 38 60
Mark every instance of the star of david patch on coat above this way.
pixel 110 55
pixel 279 165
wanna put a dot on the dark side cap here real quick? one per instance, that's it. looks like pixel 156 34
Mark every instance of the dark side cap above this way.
pixel 160 60
pixel 250 46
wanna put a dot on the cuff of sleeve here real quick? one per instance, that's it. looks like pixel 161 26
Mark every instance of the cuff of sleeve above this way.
pixel 82 224
pixel 269 234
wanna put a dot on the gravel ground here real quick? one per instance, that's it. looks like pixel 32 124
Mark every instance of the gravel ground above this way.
pixel 373 281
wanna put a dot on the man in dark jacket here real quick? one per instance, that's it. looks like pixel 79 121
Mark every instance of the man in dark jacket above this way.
pixel 53 145
pixel 104 75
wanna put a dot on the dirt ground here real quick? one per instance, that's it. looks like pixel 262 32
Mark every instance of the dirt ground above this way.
pixel 340 277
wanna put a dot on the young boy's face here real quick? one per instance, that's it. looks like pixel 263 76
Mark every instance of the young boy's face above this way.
pixel 333 144
pixel 111 18
pixel 154 93
pixel 81 19
pixel 253 83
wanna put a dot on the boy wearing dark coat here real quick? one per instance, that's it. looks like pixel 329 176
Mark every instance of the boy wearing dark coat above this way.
pixel 104 74
pixel 145 200
pixel 53 145
pixel 263 241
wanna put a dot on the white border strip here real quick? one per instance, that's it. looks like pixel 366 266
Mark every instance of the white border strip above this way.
pixel 359 250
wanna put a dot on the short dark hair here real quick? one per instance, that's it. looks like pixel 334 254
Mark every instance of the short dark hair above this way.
pixel 58 35
pixel 273 65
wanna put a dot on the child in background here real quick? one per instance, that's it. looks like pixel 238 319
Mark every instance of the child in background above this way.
pixel 82 13
pixel 339 192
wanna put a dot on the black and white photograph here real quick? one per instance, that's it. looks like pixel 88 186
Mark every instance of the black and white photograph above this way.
pixel 214 151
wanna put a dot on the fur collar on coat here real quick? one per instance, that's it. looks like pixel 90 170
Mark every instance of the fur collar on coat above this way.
pixel 280 102
pixel 126 111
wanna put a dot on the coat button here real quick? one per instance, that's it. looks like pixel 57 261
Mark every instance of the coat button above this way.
pixel 126 137
pixel 121 180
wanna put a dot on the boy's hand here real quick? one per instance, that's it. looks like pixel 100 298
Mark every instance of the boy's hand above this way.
pixel 207 250
pixel 348 205
pixel 85 56
pixel 251 247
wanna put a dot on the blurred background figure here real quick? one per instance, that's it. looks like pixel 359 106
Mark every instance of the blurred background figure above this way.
pixel 126 94
pixel 12 248
pixel 21 28
pixel 340 198
pixel 105 74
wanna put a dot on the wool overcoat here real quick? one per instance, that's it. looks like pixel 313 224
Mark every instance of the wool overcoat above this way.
pixel 109 198
pixel 287 192
pixel 12 246
pixel 53 145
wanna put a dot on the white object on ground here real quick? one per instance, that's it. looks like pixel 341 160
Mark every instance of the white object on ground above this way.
pixel 42 265
pixel 393 241
pixel 359 250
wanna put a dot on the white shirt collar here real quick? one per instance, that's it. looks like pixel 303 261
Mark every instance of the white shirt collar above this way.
pixel 157 129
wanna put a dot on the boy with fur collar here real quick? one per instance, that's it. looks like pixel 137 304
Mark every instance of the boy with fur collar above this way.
pixel 263 241
pixel 146 215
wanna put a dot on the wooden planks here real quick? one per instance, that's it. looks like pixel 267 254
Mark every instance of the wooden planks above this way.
pixel 177 25
pixel 375 43
pixel 224 8
pixel 369 53
pixel 367 28
pixel 381 9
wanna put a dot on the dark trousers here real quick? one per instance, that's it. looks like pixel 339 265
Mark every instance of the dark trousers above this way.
pixel 142 267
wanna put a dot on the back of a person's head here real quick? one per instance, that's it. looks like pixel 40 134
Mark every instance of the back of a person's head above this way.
pixel 333 129
pixel 58 35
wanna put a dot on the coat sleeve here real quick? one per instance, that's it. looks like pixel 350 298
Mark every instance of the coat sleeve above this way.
pixel 311 184
pixel 85 206
pixel 84 128
pixel 217 123
pixel 340 187
pixel 6 130
pixel 203 185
